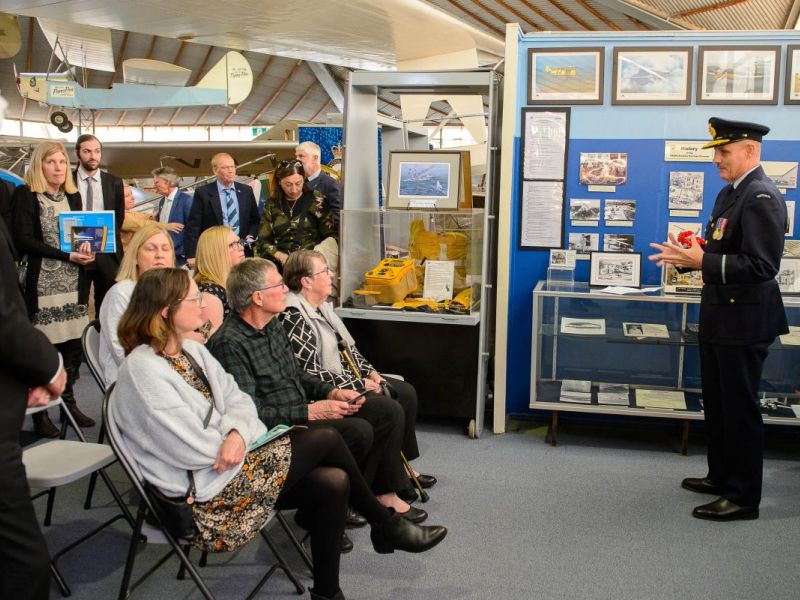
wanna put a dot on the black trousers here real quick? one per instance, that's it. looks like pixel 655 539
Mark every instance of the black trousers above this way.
pixel 375 437
pixel 731 375
pixel 102 279
pixel 322 478
pixel 24 559
pixel 72 353
pixel 407 397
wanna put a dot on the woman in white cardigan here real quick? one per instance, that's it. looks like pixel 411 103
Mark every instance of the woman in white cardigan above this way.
pixel 166 389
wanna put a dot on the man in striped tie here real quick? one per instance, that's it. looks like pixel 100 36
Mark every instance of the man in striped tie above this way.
pixel 222 202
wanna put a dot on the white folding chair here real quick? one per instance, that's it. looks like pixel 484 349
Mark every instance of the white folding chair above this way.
pixel 59 462
pixel 160 534
pixel 90 342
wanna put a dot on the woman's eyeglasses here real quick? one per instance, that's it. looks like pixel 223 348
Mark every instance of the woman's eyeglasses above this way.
pixel 198 298
pixel 290 163
pixel 236 244
pixel 325 270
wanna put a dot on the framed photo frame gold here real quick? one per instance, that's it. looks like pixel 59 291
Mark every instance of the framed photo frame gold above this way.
pixel 565 75
pixel 652 76
pixel 431 179
pixel 738 74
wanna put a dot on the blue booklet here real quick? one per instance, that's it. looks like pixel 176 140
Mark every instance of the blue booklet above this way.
pixel 274 434
pixel 96 227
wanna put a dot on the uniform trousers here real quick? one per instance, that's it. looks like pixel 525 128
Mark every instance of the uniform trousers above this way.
pixel 375 437
pixel 24 560
pixel 731 375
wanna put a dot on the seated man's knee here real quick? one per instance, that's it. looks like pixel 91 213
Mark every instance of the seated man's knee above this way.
pixel 358 435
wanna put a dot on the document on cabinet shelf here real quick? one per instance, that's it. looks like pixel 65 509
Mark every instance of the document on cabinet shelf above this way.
pixel 542 214
pixel 439 279
pixel 583 326
pixel 660 399
pixel 623 291
pixel 617 394
pixel 576 390
pixel 645 330
pixel 792 338
pixel 545 145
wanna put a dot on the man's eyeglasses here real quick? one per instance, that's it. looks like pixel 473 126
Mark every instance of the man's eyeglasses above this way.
pixel 198 298
pixel 281 283
pixel 236 244
pixel 325 270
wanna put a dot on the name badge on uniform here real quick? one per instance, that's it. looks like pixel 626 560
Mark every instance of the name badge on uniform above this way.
pixel 719 229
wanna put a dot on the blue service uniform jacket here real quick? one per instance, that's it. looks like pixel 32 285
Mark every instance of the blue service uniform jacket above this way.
pixel 741 302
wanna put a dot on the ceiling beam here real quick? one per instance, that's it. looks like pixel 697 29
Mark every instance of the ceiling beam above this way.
pixel 197 76
pixel 485 9
pixel 646 14
pixel 519 15
pixel 477 18
pixel 202 115
pixel 793 16
pixel 570 14
pixel 120 56
pixel 599 15
pixel 299 101
pixel 277 92
pixel 329 84
pixel 320 111
pixel 705 9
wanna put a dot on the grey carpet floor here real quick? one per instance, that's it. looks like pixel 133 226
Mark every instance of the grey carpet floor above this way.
pixel 601 516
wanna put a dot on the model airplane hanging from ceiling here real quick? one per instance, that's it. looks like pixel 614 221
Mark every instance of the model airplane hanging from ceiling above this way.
pixel 146 83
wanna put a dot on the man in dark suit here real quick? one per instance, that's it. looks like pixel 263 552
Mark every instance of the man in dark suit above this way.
pixel 100 191
pixel 173 208
pixel 741 313
pixel 221 202
pixel 31 373
pixel 6 191
pixel 308 153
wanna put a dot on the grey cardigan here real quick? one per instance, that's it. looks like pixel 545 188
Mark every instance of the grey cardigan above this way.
pixel 160 417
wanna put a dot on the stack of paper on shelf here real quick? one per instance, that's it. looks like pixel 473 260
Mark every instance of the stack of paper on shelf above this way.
pixel 660 399
pixel 613 393
pixel 574 390
pixel 792 338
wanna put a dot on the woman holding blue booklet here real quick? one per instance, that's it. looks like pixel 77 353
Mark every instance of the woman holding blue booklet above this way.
pixel 179 411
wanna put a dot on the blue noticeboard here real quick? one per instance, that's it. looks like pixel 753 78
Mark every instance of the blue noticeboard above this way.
pixel 96 227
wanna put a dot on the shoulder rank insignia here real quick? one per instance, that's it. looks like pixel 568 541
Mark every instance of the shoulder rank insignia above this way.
pixel 763 196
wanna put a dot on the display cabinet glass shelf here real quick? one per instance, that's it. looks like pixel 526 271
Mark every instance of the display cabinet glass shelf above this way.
pixel 637 355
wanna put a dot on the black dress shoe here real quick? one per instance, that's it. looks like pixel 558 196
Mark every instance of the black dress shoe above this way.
pixel 397 533
pixel 315 596
pixel 426 481
pixel 43 426
pixel 415 515
pixel 408 495
pixel 702 486
pixel 81 419
pixel 354 520
pixel 725 510
pixel 346 545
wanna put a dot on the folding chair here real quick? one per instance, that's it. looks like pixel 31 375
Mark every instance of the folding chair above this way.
pixel 59 462
pixel 160 534
pixel 90 342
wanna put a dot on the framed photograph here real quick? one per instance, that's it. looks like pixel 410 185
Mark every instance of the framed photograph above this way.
pixel 433 179
pixel 686 190
pixel 652 75
pixel 738 74
pixel 615 268
pixel 791 93
pixel 651 330
pixel 618 242
pixel 583 244
pixel 620 210
pixel 562 259
pixel 603 168
pixel 584 209
pixel 565 75
pixel 789 276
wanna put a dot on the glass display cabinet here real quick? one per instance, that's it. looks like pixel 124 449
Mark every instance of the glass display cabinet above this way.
pixel 595 352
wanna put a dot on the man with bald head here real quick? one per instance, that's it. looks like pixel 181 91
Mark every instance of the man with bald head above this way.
pixel 741 313
pixel 221 202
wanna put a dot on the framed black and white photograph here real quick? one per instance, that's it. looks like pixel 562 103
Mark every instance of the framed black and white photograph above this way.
pixel 789 275
pixel 618 242
pixel 619 212
pixel 686 190
pixel 562 259
pixel 791 94
pixel 652 76
pixel 644 330
pixel 615 268
pixel 584 209
pixel 583 244
pixel 565 75
pixel 738 74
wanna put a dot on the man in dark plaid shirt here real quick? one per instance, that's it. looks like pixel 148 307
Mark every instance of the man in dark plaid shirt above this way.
pixel 252 345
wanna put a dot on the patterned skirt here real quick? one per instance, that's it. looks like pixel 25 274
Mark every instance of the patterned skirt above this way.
pixel 235 516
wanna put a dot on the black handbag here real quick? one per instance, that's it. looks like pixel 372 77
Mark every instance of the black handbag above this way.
pixel 176 513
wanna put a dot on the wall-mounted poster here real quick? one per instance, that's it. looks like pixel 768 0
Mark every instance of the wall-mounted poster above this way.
pixel 616 242
pixel 584 210
pixel 686 190
pixel 616 269
pixel 652 76
pixel 583 244
pixel 791 93
pixel 617 212
pixel 789 276
pixel 783 174
pixel 603 168
pixel 738 74
pixel 565 75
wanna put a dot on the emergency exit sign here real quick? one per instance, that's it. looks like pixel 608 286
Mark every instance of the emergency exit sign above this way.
pixel 257 131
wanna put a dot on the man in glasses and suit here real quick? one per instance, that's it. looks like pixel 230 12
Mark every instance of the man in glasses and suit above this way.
pixel 221 202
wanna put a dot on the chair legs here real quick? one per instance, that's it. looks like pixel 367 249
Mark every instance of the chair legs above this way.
pixel 301 550
pixel 281 564
pixel 93 479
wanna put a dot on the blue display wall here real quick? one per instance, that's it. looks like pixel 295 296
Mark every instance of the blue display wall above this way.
pixel 641 132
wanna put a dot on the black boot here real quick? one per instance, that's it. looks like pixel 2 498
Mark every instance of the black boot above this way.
pixel 337 596
pixel 81 419
pixel 43 426
pixel 398 533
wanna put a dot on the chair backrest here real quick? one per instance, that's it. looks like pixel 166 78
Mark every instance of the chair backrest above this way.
pixel 90 341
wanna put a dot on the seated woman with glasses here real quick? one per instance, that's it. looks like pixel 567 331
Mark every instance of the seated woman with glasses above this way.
pixel 218 249
pixel 324 348
pixel 168 386
pixel 295 217
pixel 149 248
